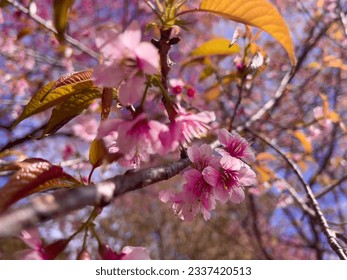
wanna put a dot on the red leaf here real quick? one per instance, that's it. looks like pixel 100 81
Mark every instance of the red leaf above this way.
pixel 33 175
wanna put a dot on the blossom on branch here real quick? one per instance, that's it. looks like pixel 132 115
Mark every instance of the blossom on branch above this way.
pixel 229 179
pixel 235 146
pixel 126 62
pixel 184 127
pixel 197 197
pixel 137 139
pixel 212 178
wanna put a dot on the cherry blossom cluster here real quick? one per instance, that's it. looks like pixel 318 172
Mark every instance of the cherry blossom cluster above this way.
pixel 212 177
pixel 141 133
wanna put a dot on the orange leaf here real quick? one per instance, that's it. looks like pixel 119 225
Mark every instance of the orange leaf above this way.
pixel 258 13
pixel 304 141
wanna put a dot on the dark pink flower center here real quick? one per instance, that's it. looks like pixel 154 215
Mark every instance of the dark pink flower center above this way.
pixel 177 89
pixel 191 92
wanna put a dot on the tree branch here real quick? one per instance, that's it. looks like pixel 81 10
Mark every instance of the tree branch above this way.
pixel 309 44
pixel 331 187
pixel 47 207
pixel 328 232
pixel 72 41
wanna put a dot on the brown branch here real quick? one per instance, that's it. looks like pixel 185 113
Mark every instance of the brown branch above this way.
pixel 47 207
pixel 164 47
pixel 300 201
pixel 328 232
pixel 31 136
pixel 18 141
pixel 331 187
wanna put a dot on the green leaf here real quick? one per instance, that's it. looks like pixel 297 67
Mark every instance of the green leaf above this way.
pixel 41 101
pixel 60 16
pixel 258 13
pixel 71 107
pixel 33 175
pixel 216 46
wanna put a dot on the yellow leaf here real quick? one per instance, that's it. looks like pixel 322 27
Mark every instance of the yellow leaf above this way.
pixel 69 109
pixel 334 62
pixel 259 13
pixel 60 15
pixel 302 164
pixel 37 104
pixel 97 152
pixel 265 156
pixel 314 65
pixel 331 115
pixel 216 46
pixel 265 174
pixel 212 93
pixel 334 117
pixel 325 105
pixel 304 141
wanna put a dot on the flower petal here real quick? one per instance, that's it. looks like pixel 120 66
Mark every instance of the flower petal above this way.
pixel 237 195
pixel 132 90
pixel 212 176
pixel 148 58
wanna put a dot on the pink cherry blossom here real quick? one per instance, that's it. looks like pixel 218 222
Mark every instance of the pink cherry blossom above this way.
pixel 137 139
pixel 127 253
pixel 33 240
pixel 229 179
pixel 201 157
pixel 68 151
pixel 235 146
pixel 38 251
pixel 196 197
pixel 210 178
pixel 184 127
pixel 127 60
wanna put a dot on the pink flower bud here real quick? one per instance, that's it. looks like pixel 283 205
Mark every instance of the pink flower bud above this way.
pixel 53 250
pixel 177 89
pixel 240 66
pixel 84 255
pixel 191 92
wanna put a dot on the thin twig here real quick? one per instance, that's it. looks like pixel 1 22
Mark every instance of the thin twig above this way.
pixel 329 233
pixel 70 40
pixel 310 42
pixel 331 187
